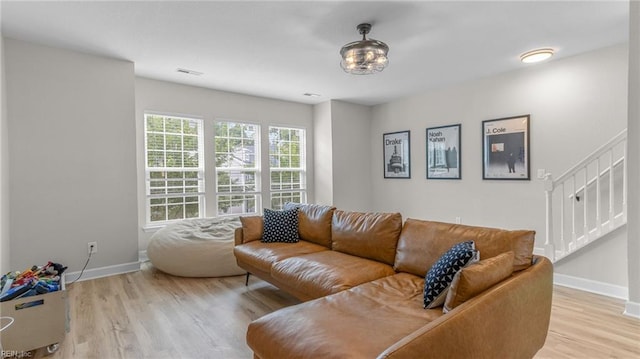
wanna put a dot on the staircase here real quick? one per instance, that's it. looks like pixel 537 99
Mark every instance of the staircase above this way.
pixel 588 201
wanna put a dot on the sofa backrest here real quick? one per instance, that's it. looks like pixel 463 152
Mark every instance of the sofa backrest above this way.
pixel 422 243
pixel 314 223
pixel 367 235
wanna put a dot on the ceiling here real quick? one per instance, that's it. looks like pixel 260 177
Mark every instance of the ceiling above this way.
pixel 283 49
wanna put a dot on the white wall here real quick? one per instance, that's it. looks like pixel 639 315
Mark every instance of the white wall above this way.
pixel 323 153
pixel 5 263
pixel 633 219
pixel 72 157
pixel 598 262
pixel 342 159
pixel 576 104
pixel 171 98
pixel 351 131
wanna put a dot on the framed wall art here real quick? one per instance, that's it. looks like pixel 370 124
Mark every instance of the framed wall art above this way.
pixel 505 148
pixel 397 159
pixel 443 152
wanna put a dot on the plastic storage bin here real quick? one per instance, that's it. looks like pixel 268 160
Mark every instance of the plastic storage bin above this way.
pixel 39 321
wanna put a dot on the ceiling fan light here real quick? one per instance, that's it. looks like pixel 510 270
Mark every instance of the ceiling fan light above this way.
pixel 366 56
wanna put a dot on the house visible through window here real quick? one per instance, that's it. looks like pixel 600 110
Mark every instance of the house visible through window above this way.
pixel 287 165
pixel 237 168
pixel 174 168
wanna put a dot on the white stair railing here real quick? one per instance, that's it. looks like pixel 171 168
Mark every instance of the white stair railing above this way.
pixel 587 201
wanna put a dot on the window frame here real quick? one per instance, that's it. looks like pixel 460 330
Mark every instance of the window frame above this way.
pixel 257 193
pixel 207 191
pixel 302 169
pixel 200 193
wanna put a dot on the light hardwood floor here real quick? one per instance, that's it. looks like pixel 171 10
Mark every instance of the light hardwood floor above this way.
pixel 149 314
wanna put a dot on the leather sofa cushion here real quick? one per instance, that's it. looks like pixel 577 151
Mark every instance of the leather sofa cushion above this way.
pixel 314 223
pixel 477 278
pixel 263 255
pixel 357 323
pixel 252 228
pixel 367 235
pixel 322 273
pixel 423 242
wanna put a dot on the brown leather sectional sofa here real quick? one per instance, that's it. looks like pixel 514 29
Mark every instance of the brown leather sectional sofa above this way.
pixel 361 277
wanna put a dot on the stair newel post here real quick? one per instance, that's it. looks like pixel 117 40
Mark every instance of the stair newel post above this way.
pixel 624 183
pixel 598 198
pixel 585 203
pixel 549 245
pixel 563 243
pixel 612 213
pixel 574 199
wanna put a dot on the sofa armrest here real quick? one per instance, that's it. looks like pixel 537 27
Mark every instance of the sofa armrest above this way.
pixel 510 320
pixel 237 236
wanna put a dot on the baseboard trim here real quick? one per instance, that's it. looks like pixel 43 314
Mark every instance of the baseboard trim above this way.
pixel 100 272
pixel 592 286
pixel 632 309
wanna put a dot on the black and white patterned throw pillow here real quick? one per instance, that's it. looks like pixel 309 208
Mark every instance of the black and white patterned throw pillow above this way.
pixel 280 226
pixel 441 274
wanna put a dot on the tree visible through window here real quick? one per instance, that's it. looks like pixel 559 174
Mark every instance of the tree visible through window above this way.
pixel 174 171
pixel 287 165
pixel 237 167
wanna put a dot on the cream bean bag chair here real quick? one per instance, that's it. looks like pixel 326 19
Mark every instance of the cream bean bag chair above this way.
pixel 196 248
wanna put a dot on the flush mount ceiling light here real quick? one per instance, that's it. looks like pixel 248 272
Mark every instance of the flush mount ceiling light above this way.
pixel 366 56
pixel 537 55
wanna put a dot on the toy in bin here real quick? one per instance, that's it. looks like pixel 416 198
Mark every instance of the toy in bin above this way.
pixel 33 281
pixel 37 301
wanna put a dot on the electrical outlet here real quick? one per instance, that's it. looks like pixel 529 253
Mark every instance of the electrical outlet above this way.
pixel 458 220
pixel 541 173
pixel 92 247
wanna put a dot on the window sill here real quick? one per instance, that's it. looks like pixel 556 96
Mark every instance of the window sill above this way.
pixel 152 228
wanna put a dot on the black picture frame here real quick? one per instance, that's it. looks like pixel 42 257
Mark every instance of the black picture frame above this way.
pixel 397 154
pixel 505 148
pixel 444 152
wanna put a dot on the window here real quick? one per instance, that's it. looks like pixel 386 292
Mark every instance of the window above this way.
pixel 237 152
pixel 287 165
pixel 174 168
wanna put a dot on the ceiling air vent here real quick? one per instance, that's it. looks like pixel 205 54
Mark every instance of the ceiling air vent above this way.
pixel 189 72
